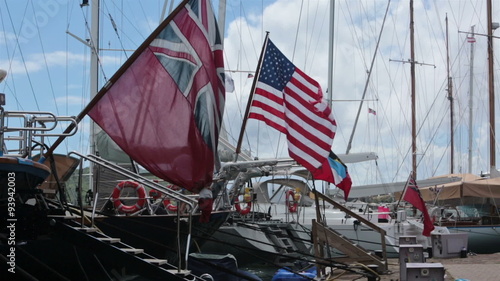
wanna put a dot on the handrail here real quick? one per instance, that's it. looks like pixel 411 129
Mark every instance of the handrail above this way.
pixel 44 119
pixel 142 180
pixel 25 115
pixel 149 183
pixel 357 216
pixel 33 125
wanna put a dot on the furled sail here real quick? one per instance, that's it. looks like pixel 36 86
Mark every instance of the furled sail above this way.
pixel 164 106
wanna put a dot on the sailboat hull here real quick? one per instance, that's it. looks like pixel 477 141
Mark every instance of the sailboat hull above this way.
pixel 54 258
pixel 157 234
pixel 264 242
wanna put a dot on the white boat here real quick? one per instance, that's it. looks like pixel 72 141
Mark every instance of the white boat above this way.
pixel 276 226
pixel 468 206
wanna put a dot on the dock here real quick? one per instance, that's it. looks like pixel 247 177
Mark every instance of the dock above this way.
pixel 475 267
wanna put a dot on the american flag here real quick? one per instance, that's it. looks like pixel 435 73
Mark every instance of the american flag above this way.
pixel 292 102
pixel 372 111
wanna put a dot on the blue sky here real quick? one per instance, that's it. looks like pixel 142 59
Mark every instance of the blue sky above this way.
pixel 48 70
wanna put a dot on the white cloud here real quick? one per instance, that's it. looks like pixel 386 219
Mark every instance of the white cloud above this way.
pixel 302 35
pixel 357 26
pixel 6 37
pixel 38 61
pixel 70 100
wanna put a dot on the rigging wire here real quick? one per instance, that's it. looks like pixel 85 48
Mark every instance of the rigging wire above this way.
pixel 18 46
pixel 115 29
pixel 45 63
pixel 131 23
pixel 297 29
pixel 5 38
pixel 93 45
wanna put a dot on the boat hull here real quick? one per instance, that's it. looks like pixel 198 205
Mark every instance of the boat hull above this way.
pixel 157 234
pixel 482 239
pixel 265 242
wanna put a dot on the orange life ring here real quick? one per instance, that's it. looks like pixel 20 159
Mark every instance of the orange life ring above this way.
pixel 140 192
pixel 292 200
pixel 245 210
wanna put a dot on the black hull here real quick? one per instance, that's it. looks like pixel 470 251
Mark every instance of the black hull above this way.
pixel 54 258
pixel 40 243
pixel 63 252
pixel 157 234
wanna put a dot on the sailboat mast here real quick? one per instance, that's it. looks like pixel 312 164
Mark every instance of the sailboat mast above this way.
pixel 94 76
pixel 491 86
pixel 330 54
pixel 450 98
pixel 222 18
pixel 349 144
pixel 471 88
pixel 412 71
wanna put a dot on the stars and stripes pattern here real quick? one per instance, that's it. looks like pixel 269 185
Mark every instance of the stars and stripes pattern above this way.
pixel 290 101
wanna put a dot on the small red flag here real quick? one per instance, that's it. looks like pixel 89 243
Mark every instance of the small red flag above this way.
pixel 412 195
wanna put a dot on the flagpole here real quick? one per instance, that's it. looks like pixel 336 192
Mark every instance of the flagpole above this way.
pixel 113 79
pixel 250 98
pixel 404 190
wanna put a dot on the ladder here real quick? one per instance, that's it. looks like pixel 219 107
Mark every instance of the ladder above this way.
pixel 104 245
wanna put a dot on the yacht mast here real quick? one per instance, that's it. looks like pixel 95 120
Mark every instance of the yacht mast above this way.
pixel 491 86
pixel 412 71
pixel 94 77
pixel 471 40
pixel 330 54
pixel 349 144
pixel 450 98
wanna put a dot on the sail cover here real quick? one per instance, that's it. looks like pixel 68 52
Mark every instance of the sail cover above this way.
pixel 164 106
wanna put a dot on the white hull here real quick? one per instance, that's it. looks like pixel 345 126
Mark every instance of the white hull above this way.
pixel 257 240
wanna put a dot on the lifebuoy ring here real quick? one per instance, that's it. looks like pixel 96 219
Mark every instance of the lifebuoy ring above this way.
pixel 140 192
pixel 246 210
pixel 292 200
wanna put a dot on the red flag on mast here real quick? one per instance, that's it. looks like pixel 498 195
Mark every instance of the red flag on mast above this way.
pixel 412 195
pixel 165 109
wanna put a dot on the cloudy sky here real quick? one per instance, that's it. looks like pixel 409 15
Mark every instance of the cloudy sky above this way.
pixel 48 70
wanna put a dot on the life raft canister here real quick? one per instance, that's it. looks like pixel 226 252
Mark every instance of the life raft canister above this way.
pixel 292 200
pixel 139 191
